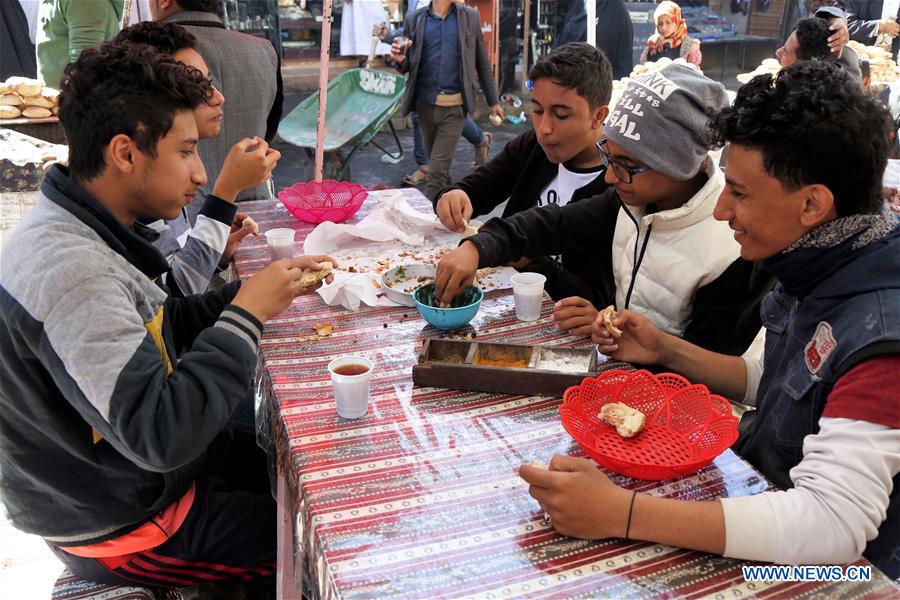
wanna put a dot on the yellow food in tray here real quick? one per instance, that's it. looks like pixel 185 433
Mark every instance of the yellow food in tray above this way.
pixel 500 362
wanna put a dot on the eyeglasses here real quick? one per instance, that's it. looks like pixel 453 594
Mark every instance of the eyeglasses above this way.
pixel 623 173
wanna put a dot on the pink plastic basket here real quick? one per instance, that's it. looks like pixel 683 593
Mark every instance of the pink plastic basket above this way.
pixel 319 201
pixel 686 426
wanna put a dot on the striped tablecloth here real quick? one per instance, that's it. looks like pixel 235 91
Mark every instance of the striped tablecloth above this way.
pixel 420 498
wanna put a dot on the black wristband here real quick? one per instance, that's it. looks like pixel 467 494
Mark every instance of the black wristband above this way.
pixel 630 509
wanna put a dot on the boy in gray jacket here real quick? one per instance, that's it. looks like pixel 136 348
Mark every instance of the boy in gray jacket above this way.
pixel 116 443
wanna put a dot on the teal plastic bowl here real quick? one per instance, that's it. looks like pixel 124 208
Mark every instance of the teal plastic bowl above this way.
pixel 462 310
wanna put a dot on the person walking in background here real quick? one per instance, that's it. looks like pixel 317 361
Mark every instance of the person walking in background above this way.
pixel 66 27
pixel 444 55
pixel 671 39
pixel 480 140
pixel 247 71
pixel 472 133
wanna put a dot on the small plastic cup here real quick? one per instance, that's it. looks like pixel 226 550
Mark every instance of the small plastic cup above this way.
pixel 404 43
pixel 281 243
pixel 528 291
pixel 351 391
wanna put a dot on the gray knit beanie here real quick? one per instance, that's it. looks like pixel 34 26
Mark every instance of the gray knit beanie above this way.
pixel 662 119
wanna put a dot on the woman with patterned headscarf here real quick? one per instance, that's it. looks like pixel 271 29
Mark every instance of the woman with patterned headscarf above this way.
pixel 671 39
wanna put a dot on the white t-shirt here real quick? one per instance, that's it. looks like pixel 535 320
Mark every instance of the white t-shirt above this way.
pixel 889 8
pixel 560 190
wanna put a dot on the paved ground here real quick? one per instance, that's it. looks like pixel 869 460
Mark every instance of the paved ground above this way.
pixel 367 167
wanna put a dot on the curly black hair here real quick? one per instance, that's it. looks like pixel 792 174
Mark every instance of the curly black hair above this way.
pixel 812 40
pixel 126 88
pixel 813 125
pixel 168 38
pixel 579 66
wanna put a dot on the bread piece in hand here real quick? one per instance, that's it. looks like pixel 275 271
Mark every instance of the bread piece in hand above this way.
pixel 608 314
pixel 251 224
pixel 310 278
pixel 627 421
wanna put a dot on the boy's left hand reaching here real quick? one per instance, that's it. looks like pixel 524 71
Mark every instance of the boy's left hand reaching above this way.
pixel 575 315
pixel 581 500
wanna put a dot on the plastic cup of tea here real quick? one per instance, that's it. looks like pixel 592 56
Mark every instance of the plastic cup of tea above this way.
pixel 281 243
pixel 404 43
pixel 350 378
pixel 528 291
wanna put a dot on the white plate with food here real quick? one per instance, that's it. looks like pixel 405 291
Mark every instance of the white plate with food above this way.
pixel 400 282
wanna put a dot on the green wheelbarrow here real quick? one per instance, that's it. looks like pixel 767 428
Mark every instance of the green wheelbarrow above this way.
pixel 360 102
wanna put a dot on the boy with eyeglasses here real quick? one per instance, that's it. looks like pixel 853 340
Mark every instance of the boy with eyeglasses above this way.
pixel 666 253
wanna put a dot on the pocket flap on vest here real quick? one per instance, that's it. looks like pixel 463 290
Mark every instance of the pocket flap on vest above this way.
pixel 799 381
pixel 775 313
pixel 775 323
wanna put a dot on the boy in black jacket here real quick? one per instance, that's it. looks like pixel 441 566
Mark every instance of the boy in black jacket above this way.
pixel 555 163
pixel 668 254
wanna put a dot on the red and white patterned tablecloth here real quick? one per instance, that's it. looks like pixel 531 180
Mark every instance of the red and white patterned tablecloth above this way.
pixel 421 498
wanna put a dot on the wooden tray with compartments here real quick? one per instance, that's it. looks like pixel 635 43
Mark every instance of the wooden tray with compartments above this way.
pixel 504 368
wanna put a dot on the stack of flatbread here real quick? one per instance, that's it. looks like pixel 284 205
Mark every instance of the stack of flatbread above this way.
pixel 768 66
pixel 881 63
pixel 649 67
pixel 29 98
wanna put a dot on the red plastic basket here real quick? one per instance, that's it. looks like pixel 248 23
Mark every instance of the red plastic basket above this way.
pixel 320 201
pixel 686 426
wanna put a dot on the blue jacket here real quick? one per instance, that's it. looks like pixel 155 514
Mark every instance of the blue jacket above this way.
pixel 832 309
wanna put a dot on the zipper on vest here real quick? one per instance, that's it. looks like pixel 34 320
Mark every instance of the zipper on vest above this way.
pixel 638 256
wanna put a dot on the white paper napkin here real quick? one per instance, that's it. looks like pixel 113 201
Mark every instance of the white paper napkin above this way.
pixel 394 219
pixel 350 290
